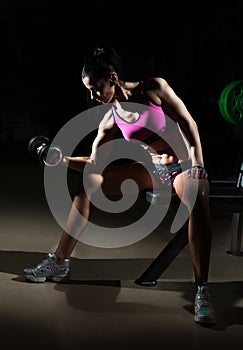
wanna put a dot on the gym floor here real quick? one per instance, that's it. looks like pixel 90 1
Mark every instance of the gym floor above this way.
pixel 102 307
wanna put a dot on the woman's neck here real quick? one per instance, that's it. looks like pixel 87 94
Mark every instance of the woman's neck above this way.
pixel 124 90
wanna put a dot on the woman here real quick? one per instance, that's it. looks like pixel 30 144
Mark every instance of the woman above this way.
pixel 102 75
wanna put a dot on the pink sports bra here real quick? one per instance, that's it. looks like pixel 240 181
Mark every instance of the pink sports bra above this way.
pixel 147 128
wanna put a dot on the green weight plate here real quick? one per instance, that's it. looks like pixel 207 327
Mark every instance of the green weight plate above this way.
pixel 231 102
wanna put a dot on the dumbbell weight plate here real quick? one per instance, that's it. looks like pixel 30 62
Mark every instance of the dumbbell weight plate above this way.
pixel 231 102
pixel 36 142
pixel 43 153
pixel 50 155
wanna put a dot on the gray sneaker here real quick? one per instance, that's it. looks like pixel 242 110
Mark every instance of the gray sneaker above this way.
pixel 204 312
pixel 49 270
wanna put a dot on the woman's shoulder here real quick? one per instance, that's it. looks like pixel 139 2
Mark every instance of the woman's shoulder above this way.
pixel 154 83
pixel 153 89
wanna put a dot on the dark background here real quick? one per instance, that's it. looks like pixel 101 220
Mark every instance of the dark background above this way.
pixel 196 47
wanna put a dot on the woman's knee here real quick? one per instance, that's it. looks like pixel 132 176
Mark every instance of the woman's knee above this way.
pixel 90 183
pixel 192 190
pixel 93 182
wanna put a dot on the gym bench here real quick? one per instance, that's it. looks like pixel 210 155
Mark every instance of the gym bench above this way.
pixel 225 197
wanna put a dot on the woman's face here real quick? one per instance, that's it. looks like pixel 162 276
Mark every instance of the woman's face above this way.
pixel 102 90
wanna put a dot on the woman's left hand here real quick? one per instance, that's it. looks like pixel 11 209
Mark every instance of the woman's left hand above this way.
pixel 197 172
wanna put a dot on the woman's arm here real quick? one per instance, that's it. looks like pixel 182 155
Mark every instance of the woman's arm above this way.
pixel 106 132
pixel 161 93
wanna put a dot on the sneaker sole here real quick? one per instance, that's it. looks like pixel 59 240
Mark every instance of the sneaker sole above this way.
pixel 56 279
pixel 35 279
pixel 205 322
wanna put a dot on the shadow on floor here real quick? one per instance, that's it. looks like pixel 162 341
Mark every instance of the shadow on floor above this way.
pixel 96 283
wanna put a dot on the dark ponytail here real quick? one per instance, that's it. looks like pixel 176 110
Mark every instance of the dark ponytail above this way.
pixel 101 61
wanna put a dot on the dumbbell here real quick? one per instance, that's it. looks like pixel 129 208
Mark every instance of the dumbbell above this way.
pixel 40 149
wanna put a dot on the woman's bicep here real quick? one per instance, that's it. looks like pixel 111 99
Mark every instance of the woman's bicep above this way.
pixel 104 136
pixel 105 126
pixel 173 102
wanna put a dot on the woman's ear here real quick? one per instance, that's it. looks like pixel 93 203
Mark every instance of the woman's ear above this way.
pixel 113 79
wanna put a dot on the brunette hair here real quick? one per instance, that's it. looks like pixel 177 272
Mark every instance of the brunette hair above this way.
pixel 101 61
